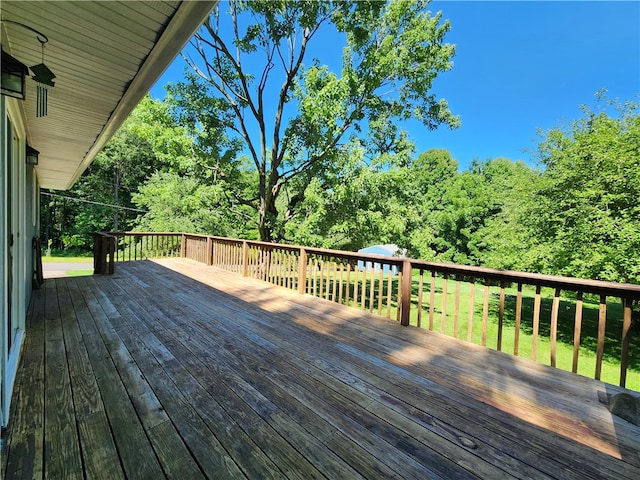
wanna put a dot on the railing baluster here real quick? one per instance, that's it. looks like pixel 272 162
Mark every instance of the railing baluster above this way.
pixel 420 289
pixel 407 282
pixel 389 291
pixel 472 285
pixel 334 293
pixel 553 333
pixel 443 317
pixel 356 271
pixel 626 333
pixel 329 279
pixel 348 286
pixel 380 289
pixel 326 270
pixel 516 339
pixel 500 317
pixel 286 259
pixel 456 308
pixel 341 284
pixel 304 271
pixel 321 291
pixel 292 273
pixel 363 292
pixel 432 298
pixel 315 276
pixel 536 324
pixel 485 313
pixel 372 288
pixel 602 323
pixel 286 269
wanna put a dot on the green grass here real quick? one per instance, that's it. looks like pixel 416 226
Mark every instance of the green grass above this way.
pixel 79 273
pixel 57 259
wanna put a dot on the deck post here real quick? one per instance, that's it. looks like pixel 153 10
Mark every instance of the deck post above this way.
pixel 111 250
pixel 405 293
pixel 183 246
pixel 209 257
pixel 245 258
pixel 97 263
pixel 104 247
pixel 302 271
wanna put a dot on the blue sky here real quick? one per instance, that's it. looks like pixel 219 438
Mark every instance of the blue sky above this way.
pixel 520 67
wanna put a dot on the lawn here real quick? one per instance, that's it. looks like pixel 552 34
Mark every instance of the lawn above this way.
pixel 79 273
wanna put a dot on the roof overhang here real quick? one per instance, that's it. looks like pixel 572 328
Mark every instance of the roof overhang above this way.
pixel 106 55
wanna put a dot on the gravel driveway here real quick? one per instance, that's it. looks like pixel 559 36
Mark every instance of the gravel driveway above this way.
pixel 60 269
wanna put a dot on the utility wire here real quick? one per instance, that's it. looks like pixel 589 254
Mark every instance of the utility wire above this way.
pixel 79 200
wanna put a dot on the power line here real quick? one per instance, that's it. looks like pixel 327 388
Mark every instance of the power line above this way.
pixel 93 203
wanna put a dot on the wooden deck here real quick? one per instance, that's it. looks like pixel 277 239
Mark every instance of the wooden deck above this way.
pixel 172 369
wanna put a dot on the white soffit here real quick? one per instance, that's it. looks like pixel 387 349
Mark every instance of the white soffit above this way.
pixel 106 55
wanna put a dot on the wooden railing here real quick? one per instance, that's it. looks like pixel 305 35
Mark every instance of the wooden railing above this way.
pixel 494 308
pixel 128 246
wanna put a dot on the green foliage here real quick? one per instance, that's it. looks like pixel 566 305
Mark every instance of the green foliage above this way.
pixel 586 209
pixel 251 91
pixel 183 204
pixel 451 216
pixel 354 212
pixel 102 200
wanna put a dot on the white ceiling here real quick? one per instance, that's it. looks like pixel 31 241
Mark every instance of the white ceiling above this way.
pixel 105 55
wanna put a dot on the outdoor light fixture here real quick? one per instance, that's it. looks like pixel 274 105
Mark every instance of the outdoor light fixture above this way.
pixel 13 75
pixel 32 156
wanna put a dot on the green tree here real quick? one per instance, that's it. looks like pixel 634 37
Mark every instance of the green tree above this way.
pixel 505 239
pixel 356 210
pixel 179 203
pixel 148 141
pixel 472 217
pixel 103 193
pixel 587 211
pixel 255 89
pixel 423 183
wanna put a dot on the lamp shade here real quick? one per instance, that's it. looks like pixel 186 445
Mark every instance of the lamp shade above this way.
pixel 13 75
pixel 32 156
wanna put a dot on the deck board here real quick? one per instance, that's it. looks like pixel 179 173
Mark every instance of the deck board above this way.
pixel 171 369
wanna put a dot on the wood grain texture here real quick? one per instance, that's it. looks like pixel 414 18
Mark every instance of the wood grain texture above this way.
pixel 172 369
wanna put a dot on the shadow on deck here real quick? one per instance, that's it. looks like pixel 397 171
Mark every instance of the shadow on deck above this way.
pixel 172 369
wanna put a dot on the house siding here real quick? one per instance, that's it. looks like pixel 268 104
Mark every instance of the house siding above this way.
pixel 18 218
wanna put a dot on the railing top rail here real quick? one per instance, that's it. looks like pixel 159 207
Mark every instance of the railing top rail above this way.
pixel 107 234
pixel 313 250
pixel 144 234
pixel 626 290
